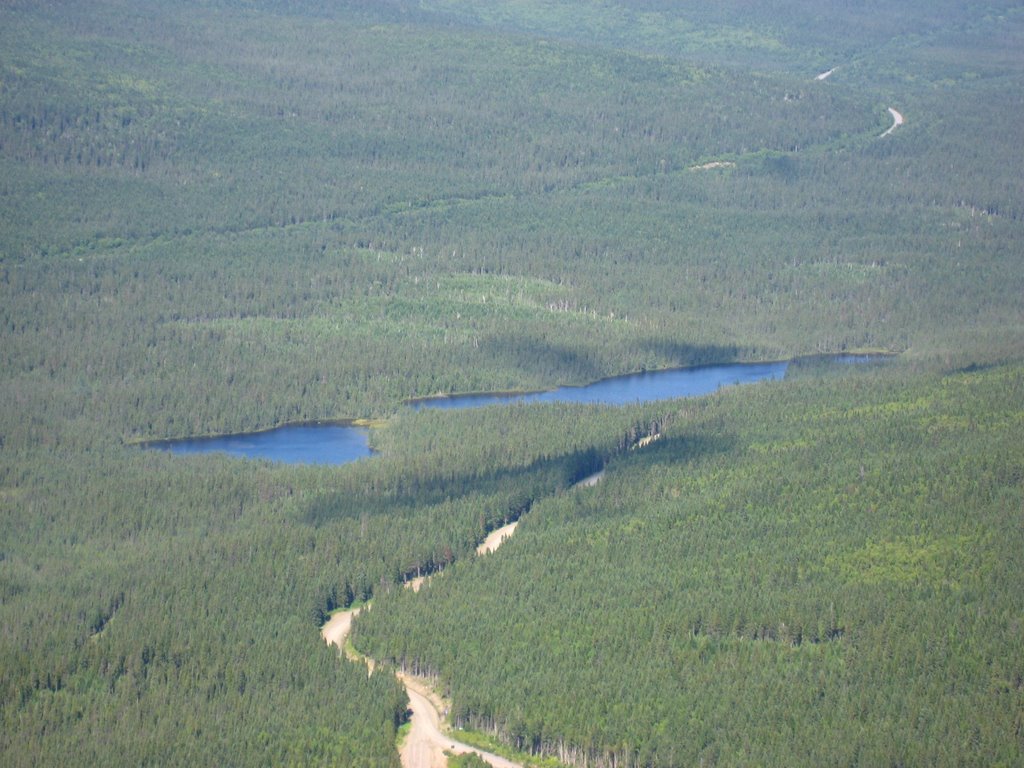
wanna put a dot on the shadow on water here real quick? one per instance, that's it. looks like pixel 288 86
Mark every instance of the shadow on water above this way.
pixel 340 444
pixel 306 443
pixel 631 389
pixel 536 356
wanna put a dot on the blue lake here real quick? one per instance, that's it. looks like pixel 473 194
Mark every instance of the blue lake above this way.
pixel 292 444
pixel 625 390
pixel 341 444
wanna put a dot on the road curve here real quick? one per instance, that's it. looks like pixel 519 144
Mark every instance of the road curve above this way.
pixel 897 121
pixel 426 743
pixel 496 537
pixel 337 628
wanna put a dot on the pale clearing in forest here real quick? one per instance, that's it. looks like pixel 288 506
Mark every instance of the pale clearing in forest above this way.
pixel 713 164
pixel 496 537
pixel 897 120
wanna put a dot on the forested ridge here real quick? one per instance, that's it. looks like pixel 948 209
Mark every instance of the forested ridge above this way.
pixel 797 574
pixel 219 216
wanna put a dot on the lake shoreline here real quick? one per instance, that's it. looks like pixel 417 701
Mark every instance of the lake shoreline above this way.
pixel 627 385
pixel 511 393
pixel 159 442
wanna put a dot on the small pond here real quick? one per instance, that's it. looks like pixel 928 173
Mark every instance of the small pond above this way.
pixel 291 444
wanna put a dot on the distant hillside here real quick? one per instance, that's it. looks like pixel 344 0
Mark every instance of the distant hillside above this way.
pixel 220 216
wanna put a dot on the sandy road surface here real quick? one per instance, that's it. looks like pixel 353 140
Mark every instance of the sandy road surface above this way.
pixel 897 118
pixel 496 537
pixel 591 480
pixel 426 743
pixel 897 121
pixel 336 630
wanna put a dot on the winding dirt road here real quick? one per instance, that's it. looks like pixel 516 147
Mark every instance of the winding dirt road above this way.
pixel 426 742
pixel 336 630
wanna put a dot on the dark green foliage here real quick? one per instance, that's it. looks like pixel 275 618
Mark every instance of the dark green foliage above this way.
pixel 223 215
pixel 850 567
pixel 316 207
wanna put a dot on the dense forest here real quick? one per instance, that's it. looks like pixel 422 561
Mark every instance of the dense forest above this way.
pixel 798 574
pixel 225 215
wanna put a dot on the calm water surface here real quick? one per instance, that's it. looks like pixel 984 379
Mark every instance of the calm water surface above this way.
pixel 337 444
pixel 625 390
pixel 294 444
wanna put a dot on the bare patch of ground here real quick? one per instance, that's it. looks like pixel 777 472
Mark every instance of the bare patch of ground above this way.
pixel 496 537
pixel 415 584
pixel 897 121
pixel 712 165
pixel 337 628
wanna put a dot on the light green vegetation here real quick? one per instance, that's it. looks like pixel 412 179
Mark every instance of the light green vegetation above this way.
pixel 488 743
pixel 905 560
pixel 792 570
pixel 219 216
pixel 468 760
pixel 402 733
